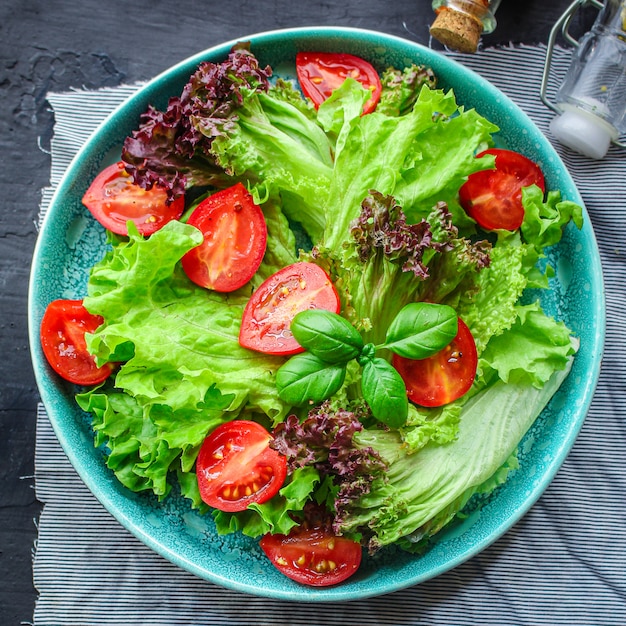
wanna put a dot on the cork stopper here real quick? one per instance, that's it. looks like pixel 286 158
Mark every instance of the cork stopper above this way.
pixel 457 29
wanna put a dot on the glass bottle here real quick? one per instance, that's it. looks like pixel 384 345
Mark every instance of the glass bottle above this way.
pixel 460 23
pixel 591 101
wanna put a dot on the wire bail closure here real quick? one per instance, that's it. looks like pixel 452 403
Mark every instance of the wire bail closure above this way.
pixel 562 26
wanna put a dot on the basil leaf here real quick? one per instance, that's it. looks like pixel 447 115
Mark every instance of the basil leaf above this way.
pixel 385 392
pixel 421 329
pixel 327 335
pixel 305 378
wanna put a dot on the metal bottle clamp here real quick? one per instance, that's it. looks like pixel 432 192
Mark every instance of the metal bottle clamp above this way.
pixel 562 25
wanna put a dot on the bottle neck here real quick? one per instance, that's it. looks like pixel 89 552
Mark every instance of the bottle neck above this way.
pixel 612 17
pixel 483 10
pixel 460 23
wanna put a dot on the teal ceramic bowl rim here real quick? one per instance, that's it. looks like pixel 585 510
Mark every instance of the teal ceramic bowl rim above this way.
pixel 75 438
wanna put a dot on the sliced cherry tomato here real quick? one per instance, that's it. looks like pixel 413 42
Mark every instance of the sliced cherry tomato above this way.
pixel 266 320
pixel 443 377
pixel 320 73
pixel 235 237
pixel 62 335
pixel 494 197
pixel 313 556
pixel 236 466
pixel 113 199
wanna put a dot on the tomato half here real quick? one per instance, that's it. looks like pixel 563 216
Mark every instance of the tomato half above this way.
pixel 320 73
pixel 266 320
pixel 443 377
pixel 62 335
pixel 114 199
pixel 236 466
pixel 235 237
pixel 494 197
pixel 313 556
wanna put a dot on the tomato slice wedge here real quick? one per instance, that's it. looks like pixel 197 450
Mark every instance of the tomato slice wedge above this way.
pixel 320 73
pixel 62 335
pixel 236 466
pixel 266 320
pixel 114 199
pixel 494 197
pixel 235 237
pixel 313 556
pixel 443 377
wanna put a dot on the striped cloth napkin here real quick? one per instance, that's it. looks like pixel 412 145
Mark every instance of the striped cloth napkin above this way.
pixel 563 563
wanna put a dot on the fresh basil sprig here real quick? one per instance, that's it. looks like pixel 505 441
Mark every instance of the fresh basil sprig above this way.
pixel 419 330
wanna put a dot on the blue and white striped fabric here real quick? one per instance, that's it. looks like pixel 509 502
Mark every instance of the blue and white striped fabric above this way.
pixel 563 563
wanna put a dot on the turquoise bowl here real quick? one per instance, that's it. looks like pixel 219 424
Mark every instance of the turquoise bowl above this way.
pixel 70 242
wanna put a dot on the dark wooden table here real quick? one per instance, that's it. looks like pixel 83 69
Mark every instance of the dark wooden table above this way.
pixel 55 45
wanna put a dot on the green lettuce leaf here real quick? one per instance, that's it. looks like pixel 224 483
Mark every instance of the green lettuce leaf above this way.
pixel 544 220
pixel 440 478
pixel 178 339
pixel 182 371
pixel 438 425
pixel 491 306
pixel 531 350
pixel 143 447
pixel 275 143
pixel 420 158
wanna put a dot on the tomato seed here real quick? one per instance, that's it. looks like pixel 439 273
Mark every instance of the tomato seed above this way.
pixel 301 561
pixel 316 79
pixel 455 356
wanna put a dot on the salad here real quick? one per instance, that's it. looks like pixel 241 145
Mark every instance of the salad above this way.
pixel 317 316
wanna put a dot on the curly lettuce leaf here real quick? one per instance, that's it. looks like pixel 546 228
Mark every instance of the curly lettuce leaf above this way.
pixel 544 220
pixel 178 339
pixel 143 446
pixel 182 370
pixel 438 425
pixel 420 158
pixel 531 350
